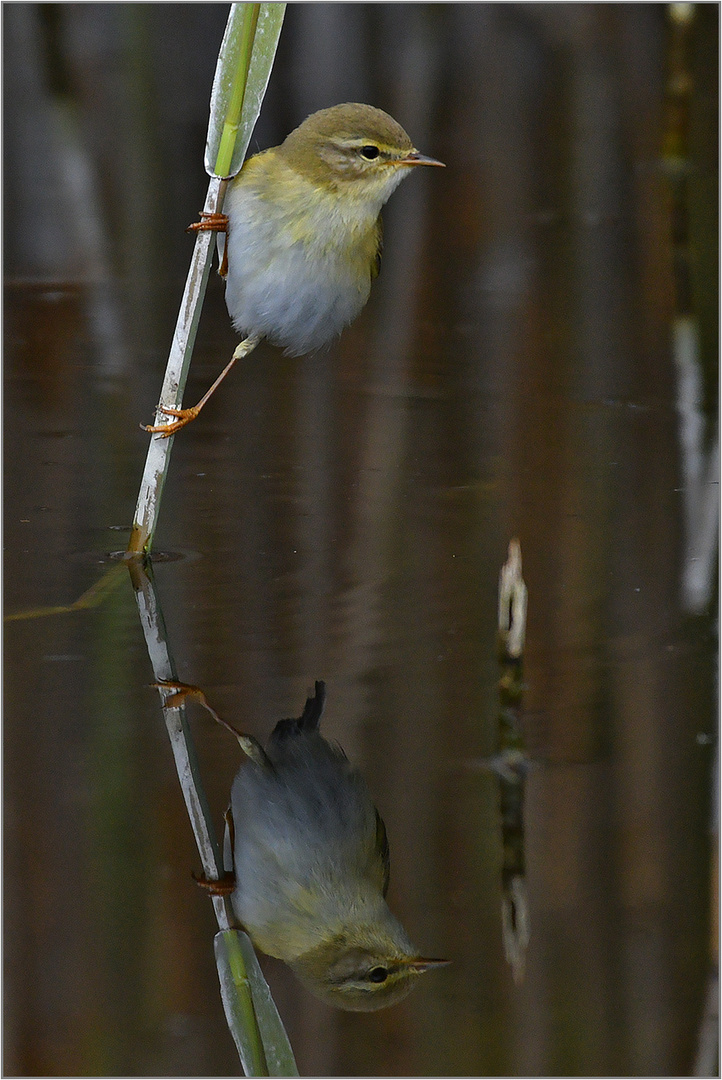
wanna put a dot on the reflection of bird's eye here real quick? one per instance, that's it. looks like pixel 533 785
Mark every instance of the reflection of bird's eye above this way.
pixel 378 974
pixel 370 152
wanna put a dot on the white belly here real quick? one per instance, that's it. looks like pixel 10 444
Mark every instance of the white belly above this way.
pixel 299 295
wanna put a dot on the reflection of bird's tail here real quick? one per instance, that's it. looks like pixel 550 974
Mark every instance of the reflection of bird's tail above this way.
pixel 309 718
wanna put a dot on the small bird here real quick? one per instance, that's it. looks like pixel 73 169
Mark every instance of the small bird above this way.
pixel 303 227
pixel 311 865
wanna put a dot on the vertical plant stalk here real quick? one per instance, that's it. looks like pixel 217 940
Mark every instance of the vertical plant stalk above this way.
pixel 176 372
pixel 227 146
pixel 242 74
pixel 512 763
pixel 700 466
pixel 251 1013
pixel 186 761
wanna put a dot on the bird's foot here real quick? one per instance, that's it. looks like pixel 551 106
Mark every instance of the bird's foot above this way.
pixel 183 417
pixel 218 886
pixel 181 691
pixel 213 222
pixel 210 222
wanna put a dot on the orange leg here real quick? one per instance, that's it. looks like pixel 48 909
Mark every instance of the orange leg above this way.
pixel 213 223
pixel 184 416
pixel 250 746
pixel 186 691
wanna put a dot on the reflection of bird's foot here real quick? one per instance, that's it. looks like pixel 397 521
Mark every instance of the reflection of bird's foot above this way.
pixel 181 691
pixel 184 416
pixel 217 887
pixel 210 223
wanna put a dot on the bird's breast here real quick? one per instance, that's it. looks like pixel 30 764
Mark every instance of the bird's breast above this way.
pixel 300 262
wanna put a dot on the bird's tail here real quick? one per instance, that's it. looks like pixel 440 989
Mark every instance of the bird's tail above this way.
pixel 309 718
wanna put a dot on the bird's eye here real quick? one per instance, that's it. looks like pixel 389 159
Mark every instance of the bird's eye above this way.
pixel 370 152
pixel 378 975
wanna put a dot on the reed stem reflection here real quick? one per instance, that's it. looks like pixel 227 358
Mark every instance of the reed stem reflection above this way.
pixel 252 1016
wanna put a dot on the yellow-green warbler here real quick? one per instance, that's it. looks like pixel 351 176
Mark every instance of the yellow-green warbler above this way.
pixel 311 865
pixel 303 232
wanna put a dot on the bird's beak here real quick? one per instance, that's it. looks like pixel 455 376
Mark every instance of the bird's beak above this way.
pixel 415 158
pixel 421 963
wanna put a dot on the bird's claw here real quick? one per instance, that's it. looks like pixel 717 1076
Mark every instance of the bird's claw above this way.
pixel 217 887
pixel 210 222
pixel 184 416
pixel 181 691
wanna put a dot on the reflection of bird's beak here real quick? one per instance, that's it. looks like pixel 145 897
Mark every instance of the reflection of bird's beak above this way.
pixel 421 963
pixel 415 158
